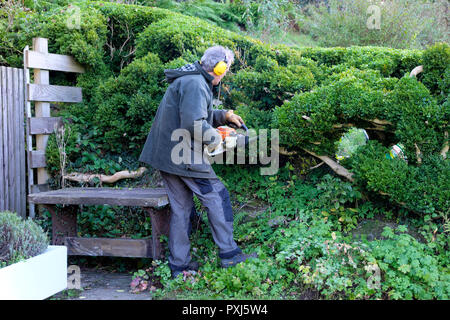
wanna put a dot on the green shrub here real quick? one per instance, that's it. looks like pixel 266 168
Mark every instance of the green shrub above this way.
pixel 389 61
pixel 125 23
pixel 127 103
pixel 19 239
pixel 423 188
pixel 269 85
pixel 171 37
pixel 315 120
pixel 216 12
pixel 436 70
pixel 85 43
pixel 358 97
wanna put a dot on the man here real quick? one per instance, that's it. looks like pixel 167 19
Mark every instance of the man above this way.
pixel 187 105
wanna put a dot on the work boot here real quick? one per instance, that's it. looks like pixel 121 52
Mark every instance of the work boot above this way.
pixel 240 257
pixel 192 266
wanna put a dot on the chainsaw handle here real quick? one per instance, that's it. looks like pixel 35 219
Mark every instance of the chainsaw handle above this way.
pixel 234 126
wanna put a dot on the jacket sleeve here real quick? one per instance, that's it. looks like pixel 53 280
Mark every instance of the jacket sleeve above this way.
pixel 193 109
pixel 219 117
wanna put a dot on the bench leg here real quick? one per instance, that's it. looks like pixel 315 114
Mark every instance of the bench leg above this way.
pixel 64 223
pixel 160 226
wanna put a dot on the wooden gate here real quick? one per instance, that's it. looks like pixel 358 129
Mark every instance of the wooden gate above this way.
pixel 12 141
pixel 41 93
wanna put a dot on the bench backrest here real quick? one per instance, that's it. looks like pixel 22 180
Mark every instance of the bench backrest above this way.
pixel 42 93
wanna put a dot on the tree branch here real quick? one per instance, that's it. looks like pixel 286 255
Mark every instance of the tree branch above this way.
pixel 416 71
pixel 445 148
pixel 86 177
pixel 336 167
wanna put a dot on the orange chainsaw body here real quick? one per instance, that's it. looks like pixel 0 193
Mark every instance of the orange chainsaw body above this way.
pixel 225 131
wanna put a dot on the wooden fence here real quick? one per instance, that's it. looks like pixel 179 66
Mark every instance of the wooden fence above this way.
pixel 12 141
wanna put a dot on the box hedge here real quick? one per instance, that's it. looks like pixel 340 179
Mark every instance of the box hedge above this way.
pixel 313 95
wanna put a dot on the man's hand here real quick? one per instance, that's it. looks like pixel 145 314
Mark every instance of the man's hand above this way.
pixel 234 118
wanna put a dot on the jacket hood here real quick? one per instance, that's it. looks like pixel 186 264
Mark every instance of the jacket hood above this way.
pixel 192 68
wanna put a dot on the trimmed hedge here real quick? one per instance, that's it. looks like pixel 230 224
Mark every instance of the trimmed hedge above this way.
pixel 313 95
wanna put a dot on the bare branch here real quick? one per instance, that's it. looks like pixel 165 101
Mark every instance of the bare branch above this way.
pixel 445 148
pixel 418 154
pixel 416 71
pixel 336 167
pixel 86 177
pixel 316 166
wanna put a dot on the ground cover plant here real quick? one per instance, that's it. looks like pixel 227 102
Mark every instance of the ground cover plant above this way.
pixel 302 221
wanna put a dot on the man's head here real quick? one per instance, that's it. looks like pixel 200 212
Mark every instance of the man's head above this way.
pixel 211 62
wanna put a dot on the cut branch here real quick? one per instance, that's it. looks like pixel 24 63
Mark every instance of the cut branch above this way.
pixel 316 166
pixel 416 71
pixel 336 167
pixel 418 154
pixel 380 122
pixel 445 148
pixel 284 152
pixel 86 177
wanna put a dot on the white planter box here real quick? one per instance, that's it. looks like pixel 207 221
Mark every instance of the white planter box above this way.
pixel 36 278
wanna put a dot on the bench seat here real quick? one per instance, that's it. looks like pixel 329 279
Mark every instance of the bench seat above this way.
pixel 139 197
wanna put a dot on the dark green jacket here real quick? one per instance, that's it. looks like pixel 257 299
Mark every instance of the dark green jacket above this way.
pixel 188 98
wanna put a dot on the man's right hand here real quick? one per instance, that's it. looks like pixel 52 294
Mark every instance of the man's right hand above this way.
pixel 230 116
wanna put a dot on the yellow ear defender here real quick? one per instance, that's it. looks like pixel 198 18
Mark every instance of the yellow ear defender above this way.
pixel 220 68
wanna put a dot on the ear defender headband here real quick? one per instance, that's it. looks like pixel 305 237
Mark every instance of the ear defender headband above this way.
pixel 221 67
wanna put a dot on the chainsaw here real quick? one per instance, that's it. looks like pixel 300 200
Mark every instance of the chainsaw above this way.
pixel 229 140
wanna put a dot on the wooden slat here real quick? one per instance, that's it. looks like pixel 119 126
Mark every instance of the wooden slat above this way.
pixel 41 109
pixel 2 139
pixel 37 159
pixel 51 93
pixel 21 149
pixel 19 145
pixel 29 138
pixel 44 125
pixel 11 143
pixel 51 61
pixel 5 136
pixel 16 142
pixel 141 197
pixel 118 247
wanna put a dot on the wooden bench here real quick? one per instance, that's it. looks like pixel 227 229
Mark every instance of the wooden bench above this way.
pixel 64 219
pixel 64 224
